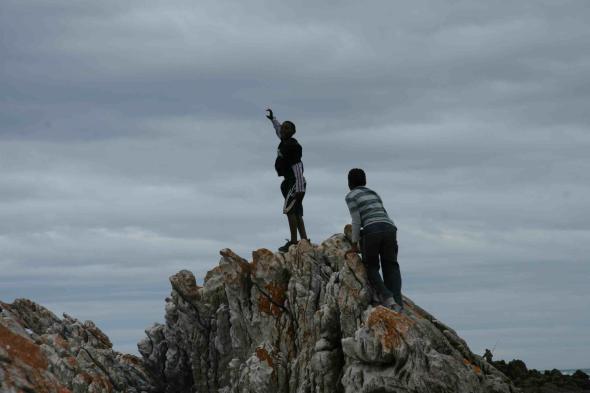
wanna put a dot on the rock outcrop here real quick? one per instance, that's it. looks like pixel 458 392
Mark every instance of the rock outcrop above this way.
pixel 304 321
pixel 549 381
pixel 40 353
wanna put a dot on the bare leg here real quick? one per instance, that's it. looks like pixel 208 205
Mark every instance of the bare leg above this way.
pixel 293 227
pixel 301 226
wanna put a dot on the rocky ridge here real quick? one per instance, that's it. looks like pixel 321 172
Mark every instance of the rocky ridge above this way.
pixel 41 353
pixel 303 321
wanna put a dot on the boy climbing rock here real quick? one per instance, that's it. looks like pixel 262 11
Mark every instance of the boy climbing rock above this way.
pixel 378 239
pixel 288 165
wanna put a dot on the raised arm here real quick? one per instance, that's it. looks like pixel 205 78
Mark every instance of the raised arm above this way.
pixel 276 124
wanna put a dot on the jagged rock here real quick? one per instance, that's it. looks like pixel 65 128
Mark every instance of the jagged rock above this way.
pixel 550 381
pixel 303 322
pixel 41 353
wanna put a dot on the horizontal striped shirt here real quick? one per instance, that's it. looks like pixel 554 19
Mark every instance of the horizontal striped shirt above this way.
pixel 365 208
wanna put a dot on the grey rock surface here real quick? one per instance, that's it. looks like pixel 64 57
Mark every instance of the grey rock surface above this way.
pixel 40 352
pixel 298 322
pixel 303 322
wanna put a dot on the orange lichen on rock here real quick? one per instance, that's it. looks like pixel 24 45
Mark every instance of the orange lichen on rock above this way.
pixel 72 361
pixel 291 332
pixel 355 264
pixel 185 284
pixel 267 266
pixel 416 310
pixel 213 272
pixel 264 356
pixel 353 286
pixel 389 326
pixel 19 347
pixel 259 255
pixel 100 336
pixel 97 380
pixel 131 359
pixel 85 377
pixel 61 342
pixel 476 369
pixel 244 266
pixel 101 381
pixel 27 363
pixel 229 254
pixel 274 297
pixel 264 304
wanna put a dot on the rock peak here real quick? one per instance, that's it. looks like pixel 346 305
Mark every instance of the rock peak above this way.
pixel 302 321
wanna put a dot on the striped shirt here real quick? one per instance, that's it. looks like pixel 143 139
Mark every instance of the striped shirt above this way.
pixel 366 208
pixel 297 167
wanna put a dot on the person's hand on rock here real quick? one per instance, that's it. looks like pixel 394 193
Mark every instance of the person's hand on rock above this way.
pixel 353 250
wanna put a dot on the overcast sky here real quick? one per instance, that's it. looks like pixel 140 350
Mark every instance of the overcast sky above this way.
pixel 133 144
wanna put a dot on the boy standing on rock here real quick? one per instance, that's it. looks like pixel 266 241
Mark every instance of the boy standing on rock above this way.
pixel 288 165
pixel 378 239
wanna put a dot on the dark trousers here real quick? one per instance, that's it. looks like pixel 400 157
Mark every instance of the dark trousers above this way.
pixel 382 247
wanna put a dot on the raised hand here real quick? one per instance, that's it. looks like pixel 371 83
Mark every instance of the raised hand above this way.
pixel 270 115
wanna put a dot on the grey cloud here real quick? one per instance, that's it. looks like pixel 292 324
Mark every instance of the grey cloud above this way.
pixel 133 144
pixel 468 65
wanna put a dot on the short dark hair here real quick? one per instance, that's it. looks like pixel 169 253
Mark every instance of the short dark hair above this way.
pixel 288 129
pixel 356 178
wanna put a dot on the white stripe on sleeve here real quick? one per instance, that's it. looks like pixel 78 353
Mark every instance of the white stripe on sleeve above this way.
pixel 277 125
pixel 299 179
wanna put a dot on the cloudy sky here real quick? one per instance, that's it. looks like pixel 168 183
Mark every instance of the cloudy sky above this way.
pixel 133 144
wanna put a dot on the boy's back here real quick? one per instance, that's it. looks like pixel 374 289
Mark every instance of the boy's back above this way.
pixel 289 154
pixel 368 204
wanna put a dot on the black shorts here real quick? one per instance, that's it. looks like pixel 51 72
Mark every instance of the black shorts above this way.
pixel 292 205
